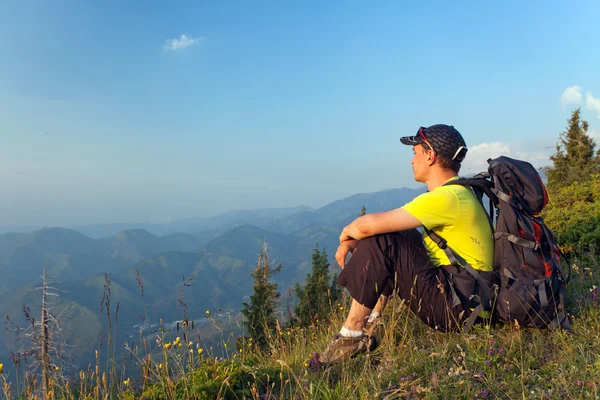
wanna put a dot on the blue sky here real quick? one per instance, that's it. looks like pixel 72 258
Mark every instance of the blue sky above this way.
pixel 153 111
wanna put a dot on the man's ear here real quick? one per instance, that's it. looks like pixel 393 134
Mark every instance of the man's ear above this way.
pixel 431 157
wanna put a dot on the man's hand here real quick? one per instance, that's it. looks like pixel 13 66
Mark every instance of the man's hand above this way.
pixel 345 237
pixel 348 246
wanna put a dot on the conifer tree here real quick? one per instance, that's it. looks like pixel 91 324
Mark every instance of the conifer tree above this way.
pixel 575 159
pixel 259 314
pixel 319 295
pixel 363 211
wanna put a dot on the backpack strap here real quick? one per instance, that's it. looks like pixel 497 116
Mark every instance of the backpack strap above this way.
pixel 458 261
pixel 517 240
pixel 561 318
pixel 507 199
pixel 539 284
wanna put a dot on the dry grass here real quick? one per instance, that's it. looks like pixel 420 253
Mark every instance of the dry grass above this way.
pixel 412 361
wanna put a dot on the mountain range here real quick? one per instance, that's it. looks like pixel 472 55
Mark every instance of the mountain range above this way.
pixel 183 268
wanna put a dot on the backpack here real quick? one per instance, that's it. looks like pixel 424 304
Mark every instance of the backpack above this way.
pixel 530 286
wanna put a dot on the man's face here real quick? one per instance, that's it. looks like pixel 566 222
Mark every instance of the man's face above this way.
pixel 420 162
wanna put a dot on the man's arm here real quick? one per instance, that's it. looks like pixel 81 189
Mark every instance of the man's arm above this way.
pixel 377 223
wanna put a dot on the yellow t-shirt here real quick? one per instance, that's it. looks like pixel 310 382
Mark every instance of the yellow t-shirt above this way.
pixel 455 214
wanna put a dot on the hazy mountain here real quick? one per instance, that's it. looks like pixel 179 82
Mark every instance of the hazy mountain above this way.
pixel 205 225
pixel 180 273
pixel 69 255
pixel 342 212
pixel 232 219
pixel 98 231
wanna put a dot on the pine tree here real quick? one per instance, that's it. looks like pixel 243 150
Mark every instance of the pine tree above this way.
pixel 259 314
pixel 316 298
pixel 575 159
pixel 363 211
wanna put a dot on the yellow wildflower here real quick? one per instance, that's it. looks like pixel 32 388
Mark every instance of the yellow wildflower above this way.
pixel 179 344
pixel 200 350
pixel 159 366
pixel 1 367
pixel 57 368
pixel 167 346
pixel 127 382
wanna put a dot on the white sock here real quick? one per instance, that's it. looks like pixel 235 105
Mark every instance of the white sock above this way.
pixel 345 332
pixel 373 315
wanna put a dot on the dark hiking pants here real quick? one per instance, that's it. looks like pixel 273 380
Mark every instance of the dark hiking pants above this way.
pixel 399 262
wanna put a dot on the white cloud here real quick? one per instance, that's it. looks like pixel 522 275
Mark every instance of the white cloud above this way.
pixel 593 103
pixel 181 43
pixel 537 152
pixel 594 134
pixel 571 95
pixel 477 156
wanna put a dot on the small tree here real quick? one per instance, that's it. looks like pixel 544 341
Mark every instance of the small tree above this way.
pixel 319 294
pixel 363 211
pixel 260 319
pixel 574 214
pixel 575 159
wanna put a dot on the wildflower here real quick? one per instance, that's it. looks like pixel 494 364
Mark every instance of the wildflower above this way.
pixel 200 350
pixel 1 367
pixel 57 368
pixel 127 382
pixel 207 313
pixel 179 344
pixel 491 351
pixel 160 366
pixel 485 393
pixel 501 351
pixel 167 346
pixel 487 363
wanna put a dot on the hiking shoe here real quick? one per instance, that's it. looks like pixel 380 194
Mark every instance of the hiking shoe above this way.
pixel 374 331
pixel 343 348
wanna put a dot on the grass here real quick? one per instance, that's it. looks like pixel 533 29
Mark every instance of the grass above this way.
pixel 412 361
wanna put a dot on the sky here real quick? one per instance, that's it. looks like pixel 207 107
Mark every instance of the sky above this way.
pixel 153 111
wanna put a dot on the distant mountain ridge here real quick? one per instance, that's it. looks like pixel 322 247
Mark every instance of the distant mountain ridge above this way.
pixel 217 262
pixel 218 223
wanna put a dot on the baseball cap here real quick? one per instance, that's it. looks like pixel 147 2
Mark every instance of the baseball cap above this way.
pixel 445 140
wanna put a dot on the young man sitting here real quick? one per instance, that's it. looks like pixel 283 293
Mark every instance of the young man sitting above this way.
pixel 389 254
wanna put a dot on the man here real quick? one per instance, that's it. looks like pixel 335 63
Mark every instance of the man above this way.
pixel 389 254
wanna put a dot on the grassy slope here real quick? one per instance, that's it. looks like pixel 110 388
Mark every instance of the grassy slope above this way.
pixel 413 361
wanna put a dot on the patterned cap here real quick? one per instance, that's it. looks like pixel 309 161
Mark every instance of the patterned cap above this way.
pixel 445 140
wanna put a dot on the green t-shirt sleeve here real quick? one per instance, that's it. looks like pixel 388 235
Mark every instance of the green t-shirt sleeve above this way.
pixel 434 209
